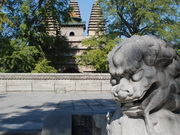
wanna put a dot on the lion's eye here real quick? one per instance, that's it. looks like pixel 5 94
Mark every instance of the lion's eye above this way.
pixel 137 76
pixel 113 81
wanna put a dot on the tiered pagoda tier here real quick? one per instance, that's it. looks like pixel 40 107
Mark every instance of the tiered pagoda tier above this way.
pixel 53 26
pixel 96 21
pixel 75 6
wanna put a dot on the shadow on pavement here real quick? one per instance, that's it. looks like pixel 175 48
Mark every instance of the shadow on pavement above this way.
pixel 29 119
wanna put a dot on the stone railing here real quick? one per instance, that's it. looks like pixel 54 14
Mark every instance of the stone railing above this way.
pixel 42 82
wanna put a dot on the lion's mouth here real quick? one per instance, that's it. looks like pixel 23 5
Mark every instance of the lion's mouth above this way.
pixel 138 105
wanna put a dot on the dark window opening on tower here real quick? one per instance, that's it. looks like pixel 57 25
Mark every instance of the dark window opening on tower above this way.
pixel 71 34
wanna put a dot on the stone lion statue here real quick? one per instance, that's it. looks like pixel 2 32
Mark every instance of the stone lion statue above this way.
pixel 145 78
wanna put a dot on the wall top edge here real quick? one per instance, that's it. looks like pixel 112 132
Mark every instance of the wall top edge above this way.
pixel 58 74
pixel 54 76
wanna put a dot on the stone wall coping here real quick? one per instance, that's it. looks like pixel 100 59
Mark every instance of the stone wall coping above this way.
pixel 54 76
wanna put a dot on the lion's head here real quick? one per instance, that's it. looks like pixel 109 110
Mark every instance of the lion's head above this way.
pixel 144 72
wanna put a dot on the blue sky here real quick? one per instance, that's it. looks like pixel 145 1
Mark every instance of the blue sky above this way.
pixel 85 9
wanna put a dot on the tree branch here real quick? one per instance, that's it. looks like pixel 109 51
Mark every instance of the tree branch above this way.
pixel 126 23
pixel 40 3
pixel 143 29
pixel 130 28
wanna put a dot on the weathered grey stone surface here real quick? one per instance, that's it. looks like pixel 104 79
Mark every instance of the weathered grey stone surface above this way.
pixel 24 112
pixel 60 83
pixel 19 85
pixel 88 84
pixel 58 124
pixel 100 121
pixel 105 85
pixel 145 78
pixel 43 85
pixel 65 85
pixel 2 85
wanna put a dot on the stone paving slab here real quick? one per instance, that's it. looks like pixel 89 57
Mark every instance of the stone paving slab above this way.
pixel 25 112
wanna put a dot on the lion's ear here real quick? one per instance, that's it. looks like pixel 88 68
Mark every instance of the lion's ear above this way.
pixel 174 68
pixel 163 62
pixel 165 56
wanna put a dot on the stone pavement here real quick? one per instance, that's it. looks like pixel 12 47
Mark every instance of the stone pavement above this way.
pixel 25 112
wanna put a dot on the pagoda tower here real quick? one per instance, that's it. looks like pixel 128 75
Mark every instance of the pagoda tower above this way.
pixel 96 21
pixel 75 27
pixel 74 31
pixel 53 26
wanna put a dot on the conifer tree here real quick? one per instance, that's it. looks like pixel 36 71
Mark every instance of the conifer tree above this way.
pixel 25 41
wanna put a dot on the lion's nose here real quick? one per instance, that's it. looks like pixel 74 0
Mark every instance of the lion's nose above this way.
pixel 123 89
pixel 122 94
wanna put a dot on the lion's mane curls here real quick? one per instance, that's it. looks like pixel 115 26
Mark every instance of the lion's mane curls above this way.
pixel 153 51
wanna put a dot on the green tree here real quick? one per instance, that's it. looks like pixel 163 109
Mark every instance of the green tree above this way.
pixel 25 41
pixel 125 18
pixel 98 47
pixel 153 17
pixel 43 67
pixel 16 56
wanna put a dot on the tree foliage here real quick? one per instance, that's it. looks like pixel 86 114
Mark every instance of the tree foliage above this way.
pixel 16 56
pixel 24 40
pixel 43 67
pixel 125 18
pixel 98 48
pixel 153 17
pixel 178 49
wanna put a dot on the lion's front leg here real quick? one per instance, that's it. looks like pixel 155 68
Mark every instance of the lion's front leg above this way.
pixel 156 99
pixel 149 124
